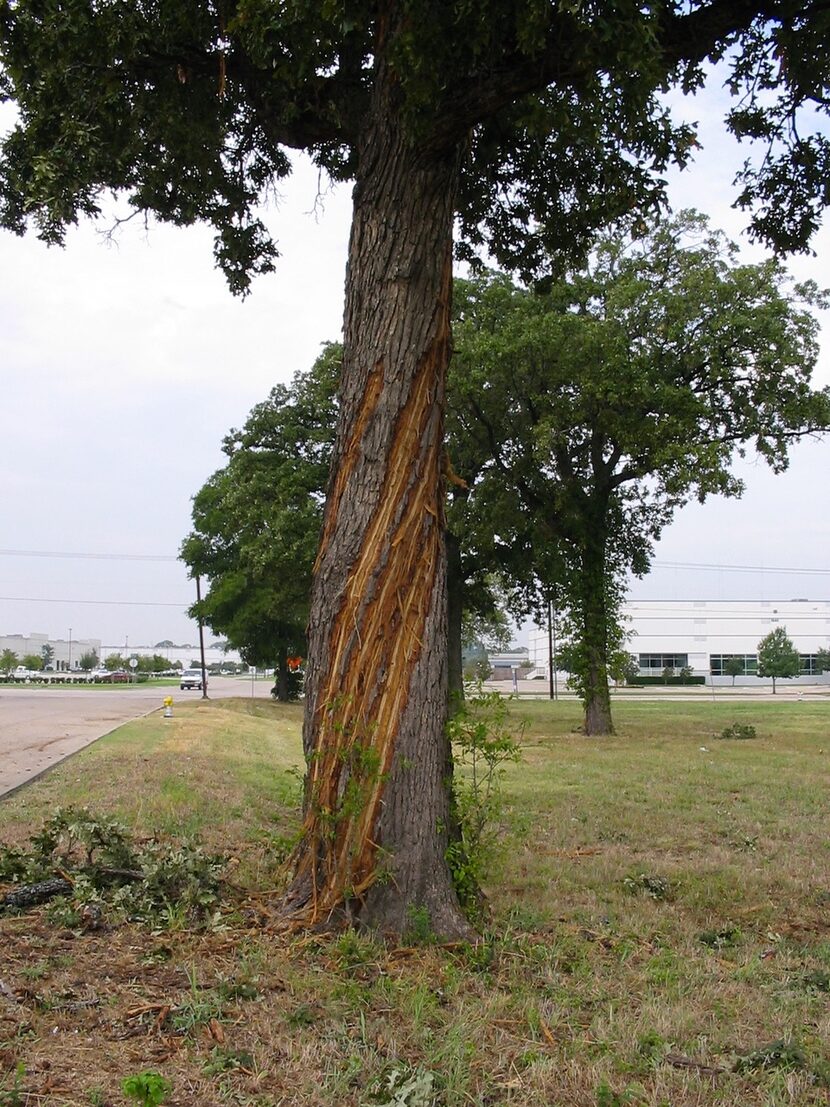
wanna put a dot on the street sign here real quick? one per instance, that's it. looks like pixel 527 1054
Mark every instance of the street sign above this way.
pixel 133 662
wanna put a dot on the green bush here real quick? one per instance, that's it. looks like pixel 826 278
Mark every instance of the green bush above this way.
pixel 482 745
pixel 651 680
pixel 738 730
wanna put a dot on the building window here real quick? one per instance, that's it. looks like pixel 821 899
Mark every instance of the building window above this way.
pixel 717 663
pixel 653 664
pixel 809 664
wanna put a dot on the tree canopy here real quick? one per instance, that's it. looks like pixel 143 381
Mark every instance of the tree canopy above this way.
pixel 598 408
pixel 257 520
pixel 777 656
pixel 8 661
pixel 190 109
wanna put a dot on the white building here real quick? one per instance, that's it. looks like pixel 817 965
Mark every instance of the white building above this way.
pixel 187 656
pixel 703 634
pixel 66 652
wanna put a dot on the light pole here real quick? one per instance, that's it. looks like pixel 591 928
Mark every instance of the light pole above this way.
pixel 552 649
pixel 201 638
pixel 70 649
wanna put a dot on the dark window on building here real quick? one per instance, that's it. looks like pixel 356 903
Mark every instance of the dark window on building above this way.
pixel 653 664
pixel 717 663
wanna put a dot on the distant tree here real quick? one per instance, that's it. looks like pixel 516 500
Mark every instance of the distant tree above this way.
pixel 668 673
pixel 33 661
pixel 686 673
pixel 47 652
pixel 165 645
pixel 594 408
pixel 734 667
pixel 8 662
pixel 623 667
pixel 492 629
pixel 89 660
pixel 477 667
pixel 256 522
pixel 152 664
pixel 822 662
pixel 115 661
pixel 778 657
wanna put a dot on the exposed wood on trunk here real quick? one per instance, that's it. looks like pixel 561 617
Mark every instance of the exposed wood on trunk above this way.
pixel 377 811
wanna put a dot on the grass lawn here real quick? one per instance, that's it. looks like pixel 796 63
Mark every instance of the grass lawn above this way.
pixel 660 929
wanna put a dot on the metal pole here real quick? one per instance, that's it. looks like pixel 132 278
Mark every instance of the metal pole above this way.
pixel 553 633
pixel 70 649
pixel 201 639
pixel 551 694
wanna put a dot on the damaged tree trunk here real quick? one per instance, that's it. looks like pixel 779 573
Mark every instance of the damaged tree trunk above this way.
pixel 376 801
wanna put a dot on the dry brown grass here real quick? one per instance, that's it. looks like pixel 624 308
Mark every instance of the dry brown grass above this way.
pixel 602 980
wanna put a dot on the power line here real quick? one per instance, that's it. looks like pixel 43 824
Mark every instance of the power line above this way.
pixel 88 556
pixel 102 603
pixel 736 568
pixel 704 566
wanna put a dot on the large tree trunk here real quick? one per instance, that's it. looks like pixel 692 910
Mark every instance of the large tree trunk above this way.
pixel 282 675
pixel 597 702
pixel 376 803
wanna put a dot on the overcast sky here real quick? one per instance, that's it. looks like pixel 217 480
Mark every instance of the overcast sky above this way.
pixel 124 365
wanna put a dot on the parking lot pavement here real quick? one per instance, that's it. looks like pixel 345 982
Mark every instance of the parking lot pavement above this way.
pixel 41 726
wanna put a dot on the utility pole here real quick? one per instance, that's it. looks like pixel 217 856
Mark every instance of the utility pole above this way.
pixel 201 638
pixel 552 650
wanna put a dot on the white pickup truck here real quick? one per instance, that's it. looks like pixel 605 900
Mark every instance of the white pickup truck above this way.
pixel 191 678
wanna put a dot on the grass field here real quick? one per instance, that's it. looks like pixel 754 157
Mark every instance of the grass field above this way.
pixel 660 929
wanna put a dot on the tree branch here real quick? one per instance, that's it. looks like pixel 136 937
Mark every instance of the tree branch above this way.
pixel 569 57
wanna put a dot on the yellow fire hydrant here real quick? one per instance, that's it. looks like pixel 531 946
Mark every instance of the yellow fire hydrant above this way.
pixel 168 707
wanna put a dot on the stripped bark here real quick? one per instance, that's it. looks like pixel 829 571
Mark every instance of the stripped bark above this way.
pixel 376 803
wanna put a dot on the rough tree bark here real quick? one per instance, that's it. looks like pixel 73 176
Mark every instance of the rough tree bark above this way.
pixel 376 803
pixel 282 675
pixel 595 630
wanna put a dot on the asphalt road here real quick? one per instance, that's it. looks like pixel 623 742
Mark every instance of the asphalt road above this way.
pixel 41 726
